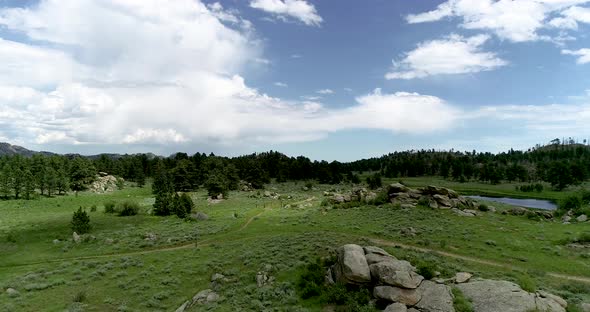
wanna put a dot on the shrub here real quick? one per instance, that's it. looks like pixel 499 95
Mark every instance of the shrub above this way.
pixel 109 207
pixel 374 181
pixel 183 205
pixel 426 269
pixel 93 208
pixel 572 202
pixel 80 221
pixel 483 207
pixel 382 198
pixel 308 185
pixel 527 283
pixel 583 238
pixel 127 208
pixel 310 282
pixel 460 303
pixel 80 296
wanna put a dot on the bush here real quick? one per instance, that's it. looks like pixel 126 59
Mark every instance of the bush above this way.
pixel 311 281
pixel 183 205
pixel 460 303
pixel 527 283
pixel 483 207
pixel 426 269
pixel 80 221
pixel 374 181
pixel 109 207
pixel 308 185
pixel 382 198
pixel 572 202
pixel 127 208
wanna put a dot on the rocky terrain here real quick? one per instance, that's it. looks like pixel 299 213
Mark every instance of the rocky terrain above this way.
pixel 396 285
pixel 104 183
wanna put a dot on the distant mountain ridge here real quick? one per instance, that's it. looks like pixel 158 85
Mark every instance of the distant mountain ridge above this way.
pixel 7 149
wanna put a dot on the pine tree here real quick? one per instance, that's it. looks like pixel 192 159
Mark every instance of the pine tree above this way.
pixel 80 221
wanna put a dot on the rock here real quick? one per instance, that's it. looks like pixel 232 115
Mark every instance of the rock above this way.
pixel 492 209
pixel 369 197
pixel 396 307
pixel 338 198
pixel 585 307
pixel 409 231
pixel 12 293
pixel 329 277
pixel 566 218
pixel 375 250
pixel 150 237
pixel 471 211
pixel 217 277
pixel 184 306
pixel 518 211
pixel 104 184
pixel 491 296
pixel 412 310
pixel 582 218
pixel 201 216
pixel 407 206
pixel 462 277
pixel 557 299
pixel 396 273
pixel 76 238
pixel 433 204
pixel 443 200
pixel 56 241
pixel 352 267
pixel 395 294
pixel 205 296
pixel 462 213
pixel 397 188
pixel 435 190
pixel 435 297
pixel 376 258
pixel 109 241
pixel 267 194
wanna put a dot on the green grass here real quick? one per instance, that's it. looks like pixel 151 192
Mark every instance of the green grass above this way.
pixel 119 270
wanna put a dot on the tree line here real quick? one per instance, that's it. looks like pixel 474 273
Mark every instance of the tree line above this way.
pixel 27 177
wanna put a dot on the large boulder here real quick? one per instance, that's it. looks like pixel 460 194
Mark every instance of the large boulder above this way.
pixel 205 296
pixel 434 190
pixel 435 297
pixel 395 294
pixel 352 266
pixel 396 273
pixel 397 188
pixel 582 218
pixel 491 296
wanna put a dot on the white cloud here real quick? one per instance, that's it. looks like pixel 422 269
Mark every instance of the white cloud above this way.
pixel 452 55
pixel 311 97
pixel 296 56
pixel 298 9
pixel 571 17
pixel 517 21
pixel 280 84
pixel 583 55
pixel 124 72
pixel 325 91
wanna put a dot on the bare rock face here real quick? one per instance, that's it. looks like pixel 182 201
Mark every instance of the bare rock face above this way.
pixel 491 295
pixel 397 188
pixel 352 266
pixel 408 297
pixel 396 273
pixel 435 298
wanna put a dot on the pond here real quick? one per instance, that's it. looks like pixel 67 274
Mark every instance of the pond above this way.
pixel 528 203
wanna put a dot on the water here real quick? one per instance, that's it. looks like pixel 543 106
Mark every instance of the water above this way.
pixel 528 203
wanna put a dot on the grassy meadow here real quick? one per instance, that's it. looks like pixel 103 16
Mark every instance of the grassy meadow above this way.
pixel 117 267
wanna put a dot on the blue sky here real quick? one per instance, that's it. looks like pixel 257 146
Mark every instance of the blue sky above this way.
pixel 327 79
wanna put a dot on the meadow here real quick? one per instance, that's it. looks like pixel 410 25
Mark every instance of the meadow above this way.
pixel 149 263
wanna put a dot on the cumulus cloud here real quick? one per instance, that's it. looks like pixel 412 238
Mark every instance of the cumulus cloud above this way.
pixel 570 18
pixel 582 54
pixel 161 72
pixel 280 84
pixel 452 55
pixel 517 21
pixel 283 9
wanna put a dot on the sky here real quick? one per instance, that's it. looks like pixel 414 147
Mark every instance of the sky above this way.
pixel 333 80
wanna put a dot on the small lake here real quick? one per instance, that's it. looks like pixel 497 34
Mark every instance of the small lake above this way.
pixel 528 203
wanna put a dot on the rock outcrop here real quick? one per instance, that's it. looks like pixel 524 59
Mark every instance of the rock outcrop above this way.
pixel 396 286
pixel 203 297
pixel 104 183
